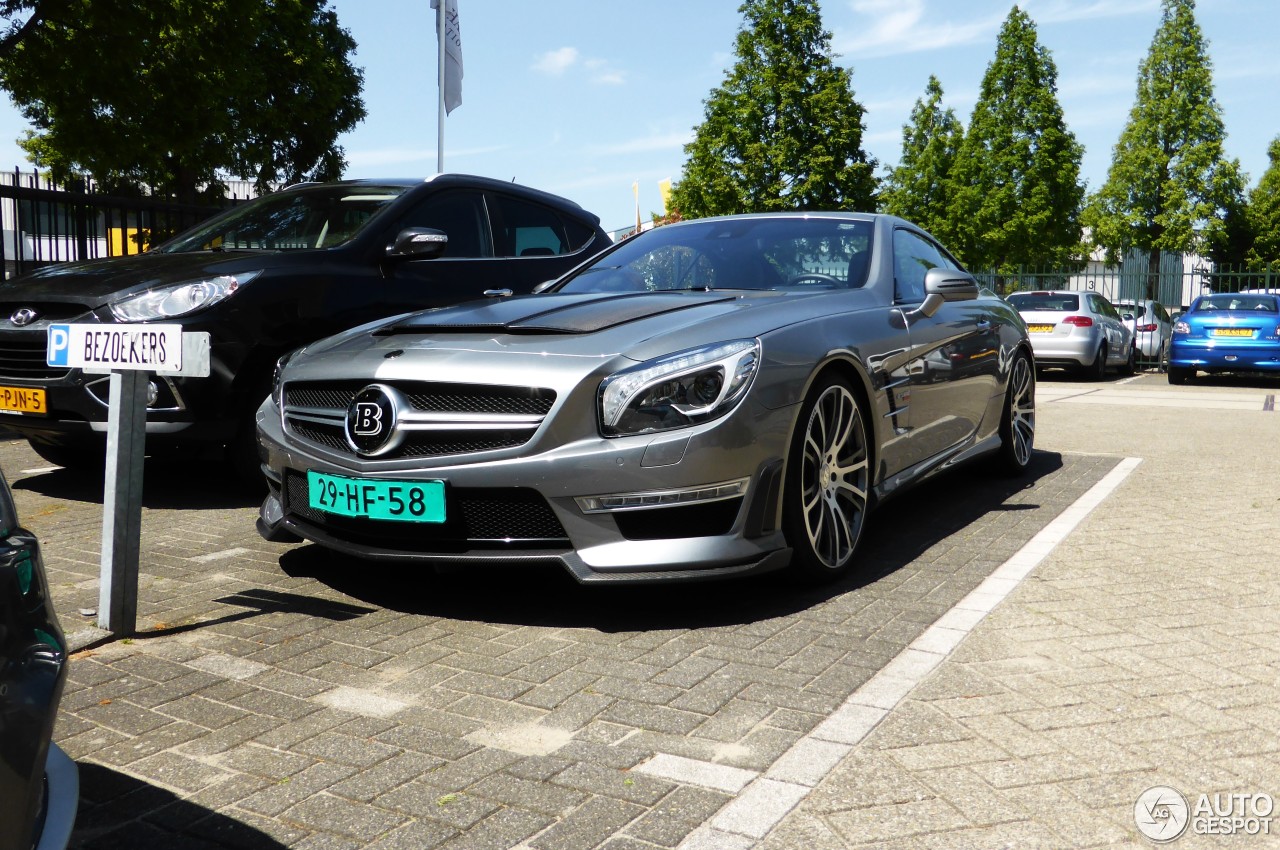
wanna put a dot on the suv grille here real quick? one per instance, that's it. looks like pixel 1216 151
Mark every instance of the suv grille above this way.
pixel 512 517
pixel 316 412
pixel 24 356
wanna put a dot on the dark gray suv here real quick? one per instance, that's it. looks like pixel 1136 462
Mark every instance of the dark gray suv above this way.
pixel 264 278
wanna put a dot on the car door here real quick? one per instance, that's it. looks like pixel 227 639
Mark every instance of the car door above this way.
pixel 954 353
pixel 497 242
pixel 1118 334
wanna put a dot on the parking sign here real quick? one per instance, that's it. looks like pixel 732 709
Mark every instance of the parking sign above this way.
pixel 150 348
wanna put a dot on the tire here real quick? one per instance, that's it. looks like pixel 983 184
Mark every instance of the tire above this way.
pixel 1098 371
pixel 241 451
pixel 1018 420
pixel 1180 375
pixel 1130 366
pixel 81 458
pixel 827 486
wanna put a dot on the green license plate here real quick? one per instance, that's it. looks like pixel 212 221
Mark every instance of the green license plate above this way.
pixel 376 498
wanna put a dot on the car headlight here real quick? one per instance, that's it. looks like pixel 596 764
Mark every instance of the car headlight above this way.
pixel 678 390
pixel 179 299
pixel 1181 328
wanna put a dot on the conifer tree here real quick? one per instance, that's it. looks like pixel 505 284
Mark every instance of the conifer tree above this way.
pixel 1017 174
pixel 919 187
pixel 783 131
pixel 1170 185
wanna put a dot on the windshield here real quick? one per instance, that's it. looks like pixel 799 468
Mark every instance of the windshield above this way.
pixel 314 217
pixel 1236 301
pixel 753 253
pixel 1026 302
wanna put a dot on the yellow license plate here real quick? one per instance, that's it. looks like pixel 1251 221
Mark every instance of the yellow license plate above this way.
pixel 1040 329
pixel 23 400
pixel 1232 332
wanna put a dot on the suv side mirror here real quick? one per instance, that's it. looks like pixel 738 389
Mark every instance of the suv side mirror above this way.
pixel 418 243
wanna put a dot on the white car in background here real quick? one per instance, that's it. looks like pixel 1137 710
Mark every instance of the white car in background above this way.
pixel 1076 330
pixel 1152 326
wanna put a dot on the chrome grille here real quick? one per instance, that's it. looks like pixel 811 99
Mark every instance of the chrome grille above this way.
pixel 316 412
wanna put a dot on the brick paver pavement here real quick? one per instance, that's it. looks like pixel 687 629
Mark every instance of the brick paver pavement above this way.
pixel 279 697
pixel 1144 651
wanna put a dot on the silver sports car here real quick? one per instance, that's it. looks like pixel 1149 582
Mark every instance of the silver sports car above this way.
pixel 706 399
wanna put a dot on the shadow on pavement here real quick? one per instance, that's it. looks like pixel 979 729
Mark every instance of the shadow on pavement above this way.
pixel 119 811
pixel 896 534
pixel 166 483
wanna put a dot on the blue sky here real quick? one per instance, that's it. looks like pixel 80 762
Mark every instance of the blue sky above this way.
pixel 587 97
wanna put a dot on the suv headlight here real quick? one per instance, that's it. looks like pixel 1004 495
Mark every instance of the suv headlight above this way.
pixel 678 390
pixel 179 299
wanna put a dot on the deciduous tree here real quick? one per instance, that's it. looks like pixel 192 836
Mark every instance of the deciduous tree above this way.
pixel 783 131
pixel 1263 212
pixel 1017 173
pixel 1170 185
pixel 919 187
pixel 174 94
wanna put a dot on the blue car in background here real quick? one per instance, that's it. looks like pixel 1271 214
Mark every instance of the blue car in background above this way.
pixel 1226 332
pixel 39 784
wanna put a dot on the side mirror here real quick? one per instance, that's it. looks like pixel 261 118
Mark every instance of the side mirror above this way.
pixel 418 243
pixel 943 285
pixel 543 287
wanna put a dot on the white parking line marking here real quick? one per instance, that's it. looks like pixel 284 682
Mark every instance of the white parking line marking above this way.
pixel 39 470
pixel 766 800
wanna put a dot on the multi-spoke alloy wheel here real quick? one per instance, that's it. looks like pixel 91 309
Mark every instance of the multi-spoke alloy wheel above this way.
pixel 1018 424
pixel 827 484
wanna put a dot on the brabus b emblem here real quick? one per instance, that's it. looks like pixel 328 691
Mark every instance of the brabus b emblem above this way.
pixel 368 419
pixel 371 421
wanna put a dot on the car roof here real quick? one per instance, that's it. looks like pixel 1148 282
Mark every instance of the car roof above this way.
pixel 471 181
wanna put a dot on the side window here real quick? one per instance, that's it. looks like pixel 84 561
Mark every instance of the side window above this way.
pixel 913 256
pixel 461 216
pixel 527 229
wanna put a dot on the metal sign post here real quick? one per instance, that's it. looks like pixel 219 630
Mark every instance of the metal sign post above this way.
pixel 130 354
pixel 122 503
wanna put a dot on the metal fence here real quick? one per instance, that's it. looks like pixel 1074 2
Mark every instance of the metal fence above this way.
pixel 1178 281
pixel 46 223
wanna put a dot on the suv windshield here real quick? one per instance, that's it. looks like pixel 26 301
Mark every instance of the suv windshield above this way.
pixel 291 220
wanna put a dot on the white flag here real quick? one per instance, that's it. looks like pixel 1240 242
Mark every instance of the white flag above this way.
pixel 451 43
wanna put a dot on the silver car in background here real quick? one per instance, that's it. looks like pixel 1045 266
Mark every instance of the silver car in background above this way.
pixel 711 398
pixel 1077 330
pixel 1152 327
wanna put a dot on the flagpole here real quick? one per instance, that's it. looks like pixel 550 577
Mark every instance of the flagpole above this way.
pixel 440 10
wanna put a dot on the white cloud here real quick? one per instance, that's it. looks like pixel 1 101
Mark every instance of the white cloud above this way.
pixel 1061 11
pixel 556 62
pixel 602 74
pixel 896 27
pixel 893 27
pixel 656 142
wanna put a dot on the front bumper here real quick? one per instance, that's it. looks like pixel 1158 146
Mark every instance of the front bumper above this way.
pixel 522 505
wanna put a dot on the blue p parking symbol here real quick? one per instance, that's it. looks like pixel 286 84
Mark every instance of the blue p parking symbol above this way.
pixel 59 345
